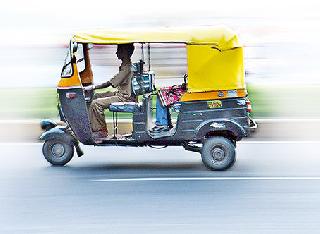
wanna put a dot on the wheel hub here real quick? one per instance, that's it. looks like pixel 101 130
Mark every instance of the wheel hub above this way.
pixel 57 150
pixel 218 154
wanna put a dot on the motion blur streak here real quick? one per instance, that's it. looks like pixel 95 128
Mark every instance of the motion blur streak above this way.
pixel 281 50
pixel 204 178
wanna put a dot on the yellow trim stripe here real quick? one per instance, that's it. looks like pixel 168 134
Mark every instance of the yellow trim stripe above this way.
pixel 222 94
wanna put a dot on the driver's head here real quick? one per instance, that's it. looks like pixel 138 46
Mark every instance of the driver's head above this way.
pixel 125 51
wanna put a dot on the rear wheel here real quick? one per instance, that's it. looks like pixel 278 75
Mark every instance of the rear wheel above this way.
pixel 218 153
pixel 57 151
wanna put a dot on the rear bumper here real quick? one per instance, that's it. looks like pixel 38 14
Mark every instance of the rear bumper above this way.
pixel 252 125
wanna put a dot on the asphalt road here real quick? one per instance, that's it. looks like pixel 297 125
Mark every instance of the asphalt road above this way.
pixel 272 188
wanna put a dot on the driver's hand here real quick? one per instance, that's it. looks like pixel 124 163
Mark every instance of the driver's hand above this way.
pixel 89 87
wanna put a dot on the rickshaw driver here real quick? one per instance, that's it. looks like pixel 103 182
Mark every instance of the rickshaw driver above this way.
pixel 101 101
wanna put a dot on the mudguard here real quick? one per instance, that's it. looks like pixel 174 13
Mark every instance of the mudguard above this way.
pixel 57 133
pixel 47 124
pixel 216 125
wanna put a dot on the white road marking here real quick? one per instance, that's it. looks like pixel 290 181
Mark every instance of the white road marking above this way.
pixel 201 178
pixel 278 142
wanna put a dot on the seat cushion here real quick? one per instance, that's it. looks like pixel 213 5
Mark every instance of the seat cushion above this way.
pixel 125 106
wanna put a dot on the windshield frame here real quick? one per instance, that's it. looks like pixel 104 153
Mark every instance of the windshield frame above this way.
pixel 68 62
pixel 80 58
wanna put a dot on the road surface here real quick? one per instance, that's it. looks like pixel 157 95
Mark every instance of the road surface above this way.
pixel 272 188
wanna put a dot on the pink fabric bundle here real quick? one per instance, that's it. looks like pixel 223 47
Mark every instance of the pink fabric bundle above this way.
pixel 172 94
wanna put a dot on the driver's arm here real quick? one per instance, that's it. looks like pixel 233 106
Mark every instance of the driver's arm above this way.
pixel 115 81
pixel 100 86
pixel 103 85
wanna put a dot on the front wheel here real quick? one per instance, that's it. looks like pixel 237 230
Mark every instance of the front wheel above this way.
pixel 218 153
pixel 57 152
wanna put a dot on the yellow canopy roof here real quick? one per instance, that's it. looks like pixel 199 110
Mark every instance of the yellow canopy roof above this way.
pixel 219 36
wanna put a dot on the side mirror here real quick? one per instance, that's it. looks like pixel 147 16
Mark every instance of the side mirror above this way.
pixel 73 59
pixel 74 47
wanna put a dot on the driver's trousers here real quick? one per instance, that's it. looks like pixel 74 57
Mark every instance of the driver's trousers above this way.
pixel 102 101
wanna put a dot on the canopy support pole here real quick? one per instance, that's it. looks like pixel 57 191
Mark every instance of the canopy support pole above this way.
pixel 142 53
pixel 149 58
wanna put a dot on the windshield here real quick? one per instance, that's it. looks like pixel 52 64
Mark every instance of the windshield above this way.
pixel 80 58
pixel 67 67
pixel 67 70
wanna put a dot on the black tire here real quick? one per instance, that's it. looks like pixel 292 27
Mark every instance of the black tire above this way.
pixel 57 152
pixel 218 153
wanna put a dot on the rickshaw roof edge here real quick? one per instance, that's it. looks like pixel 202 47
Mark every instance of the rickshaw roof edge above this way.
pixel 220 36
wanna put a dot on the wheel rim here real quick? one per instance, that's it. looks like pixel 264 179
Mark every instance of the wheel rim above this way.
pixel 57 150
pixel 218 154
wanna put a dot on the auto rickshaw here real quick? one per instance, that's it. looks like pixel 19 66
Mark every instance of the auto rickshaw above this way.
pixel 213 113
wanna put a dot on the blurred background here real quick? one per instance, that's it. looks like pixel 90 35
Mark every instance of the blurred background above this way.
pixel 280 38
pixel 272 188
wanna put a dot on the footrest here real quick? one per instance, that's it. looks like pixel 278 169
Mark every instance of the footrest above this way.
pixel 163 134
pixel 125 107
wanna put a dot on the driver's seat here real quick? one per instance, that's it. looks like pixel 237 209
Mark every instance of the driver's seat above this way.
pixel 128 107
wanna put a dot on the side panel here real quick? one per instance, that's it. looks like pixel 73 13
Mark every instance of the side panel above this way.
pixel 73 106
pixel 216 114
